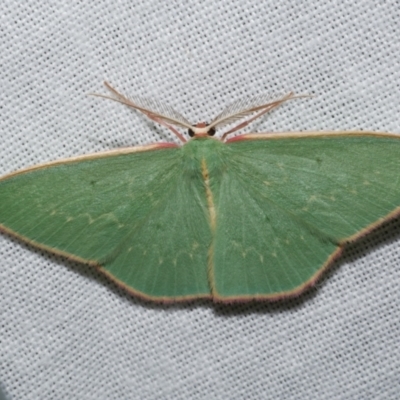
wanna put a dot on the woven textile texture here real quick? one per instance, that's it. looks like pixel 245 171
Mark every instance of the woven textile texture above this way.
pixel 66 332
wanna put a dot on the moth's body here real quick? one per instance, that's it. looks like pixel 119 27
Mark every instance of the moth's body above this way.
pixel 254 217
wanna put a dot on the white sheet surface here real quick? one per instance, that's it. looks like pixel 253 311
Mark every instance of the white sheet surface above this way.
pixel 65 331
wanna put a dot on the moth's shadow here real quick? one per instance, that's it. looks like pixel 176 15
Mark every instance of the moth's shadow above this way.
pixel 387 233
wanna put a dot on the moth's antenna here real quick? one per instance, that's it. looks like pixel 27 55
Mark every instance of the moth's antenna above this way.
pixel 242 108
pixel 167 116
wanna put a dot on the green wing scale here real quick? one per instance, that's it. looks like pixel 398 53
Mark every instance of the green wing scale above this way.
pixel 257 217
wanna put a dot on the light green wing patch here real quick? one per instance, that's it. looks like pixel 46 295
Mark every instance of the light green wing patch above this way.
pixel 286 205
pixel 139 216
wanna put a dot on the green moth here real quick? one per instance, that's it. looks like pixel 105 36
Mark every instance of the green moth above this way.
pixel 257 216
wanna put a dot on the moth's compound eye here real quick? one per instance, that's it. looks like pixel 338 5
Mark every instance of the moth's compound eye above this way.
pixel 191 132
pixel 211 132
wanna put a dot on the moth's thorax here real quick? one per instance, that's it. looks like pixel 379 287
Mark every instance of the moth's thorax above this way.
pixel 204 148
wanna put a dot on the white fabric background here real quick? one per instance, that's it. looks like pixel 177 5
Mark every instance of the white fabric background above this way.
pixel 65 331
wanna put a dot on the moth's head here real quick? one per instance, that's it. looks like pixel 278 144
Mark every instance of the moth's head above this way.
pixel 201 129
